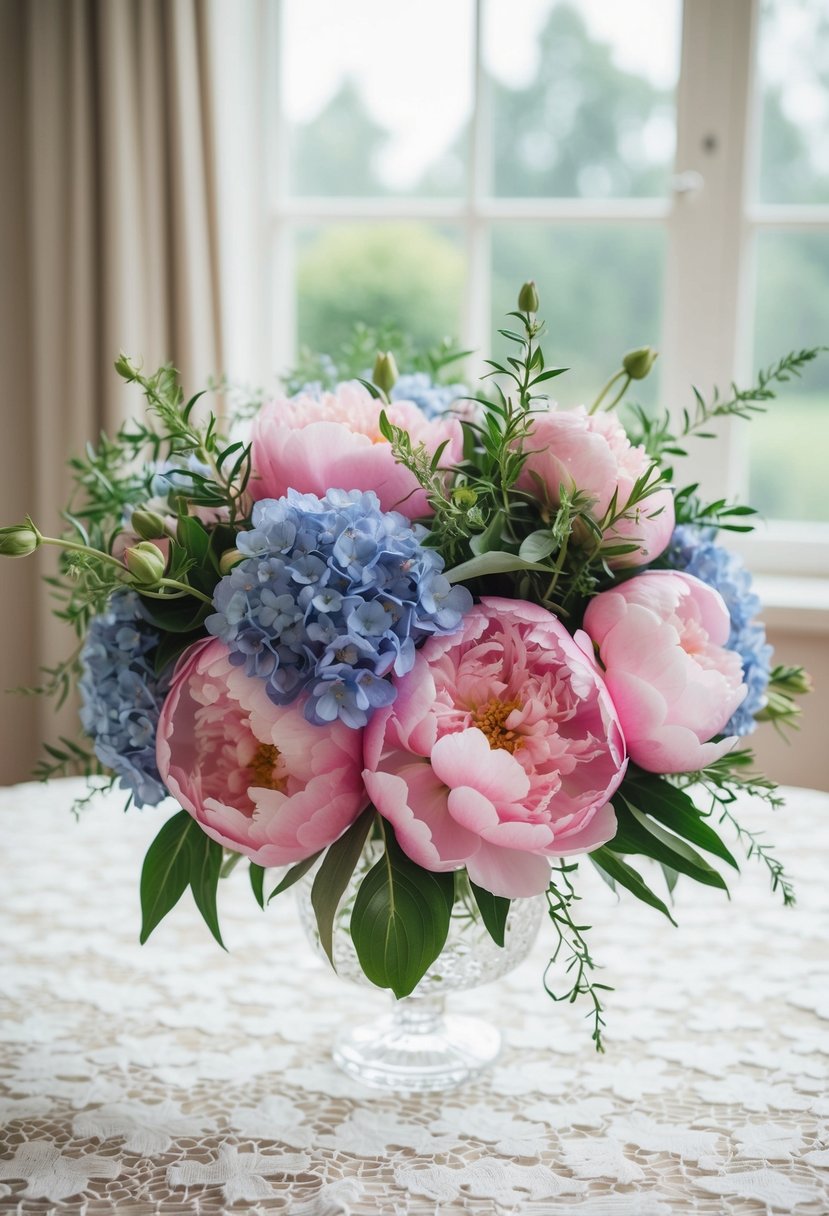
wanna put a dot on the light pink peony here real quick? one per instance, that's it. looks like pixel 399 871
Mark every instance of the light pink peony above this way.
pixel 316 444
pixel 661 639
pixel 592 453
pixel 258 777
pixel 500 752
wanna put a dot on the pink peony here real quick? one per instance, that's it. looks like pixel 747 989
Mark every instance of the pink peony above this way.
pixel 316 444
pixel 592 453
pixel 500 752
pixel 661 639
pixel 258 777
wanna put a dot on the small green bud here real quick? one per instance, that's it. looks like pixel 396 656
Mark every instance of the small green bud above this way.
pixel 464 497
pixel 125 368
pixel 385 374
pixel 637 363
pixel 145 562
pixel 528 297
pixel 148 525
pixel 18 541
pixel 229 559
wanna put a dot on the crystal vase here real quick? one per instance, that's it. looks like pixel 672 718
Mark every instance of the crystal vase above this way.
pixel 417 1046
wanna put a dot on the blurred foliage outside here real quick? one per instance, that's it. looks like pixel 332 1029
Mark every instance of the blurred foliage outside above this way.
pixel 569 133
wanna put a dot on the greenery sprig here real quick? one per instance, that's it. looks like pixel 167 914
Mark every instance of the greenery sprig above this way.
pixel 579 964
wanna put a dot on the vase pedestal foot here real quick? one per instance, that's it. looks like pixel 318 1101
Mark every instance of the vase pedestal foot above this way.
pixel 417 1049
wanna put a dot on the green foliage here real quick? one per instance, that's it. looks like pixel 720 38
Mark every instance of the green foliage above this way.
pixel 725 781
pixel 400 919
pixel 579 963
pixel 294 874
pixel 334 875
pixel 660 437
pixel 494 910
pixel 615 871
pixel 181 856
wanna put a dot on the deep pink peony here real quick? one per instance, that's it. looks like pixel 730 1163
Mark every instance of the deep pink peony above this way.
pixel 661 639
pixel 592 453
pixel 316 444
pixel 258 777
pixel 500 752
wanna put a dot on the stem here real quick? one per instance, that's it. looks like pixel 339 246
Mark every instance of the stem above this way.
pixel 76 547
pixel 606 389
pixel 618 396
pixel 185 588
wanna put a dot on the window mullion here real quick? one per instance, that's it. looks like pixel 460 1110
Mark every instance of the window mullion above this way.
pixel 476 310
pixel 704 307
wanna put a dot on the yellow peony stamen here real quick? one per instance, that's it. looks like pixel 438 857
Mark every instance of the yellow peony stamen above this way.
pixel 264 766
pixel 491 719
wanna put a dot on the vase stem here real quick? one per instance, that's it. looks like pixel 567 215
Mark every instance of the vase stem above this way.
pixel 418 1014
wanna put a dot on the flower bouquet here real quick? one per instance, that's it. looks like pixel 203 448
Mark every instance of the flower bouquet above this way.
pixel 424 650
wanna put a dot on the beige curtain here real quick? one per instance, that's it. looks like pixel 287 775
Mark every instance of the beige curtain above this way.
pixel 109 242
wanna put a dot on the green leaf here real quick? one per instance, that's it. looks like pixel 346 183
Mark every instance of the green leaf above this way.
pixel 294 874
pixel 193 536
pixel 333 876
pixel 166 871
pixel 636 833
pixel 205 867
pixel 611 866
pixel 494 910
pixel 400 919
pixel 548 375
pixel 491 563
pixel 257 882
pixel 676 810
pixel 671 877
pixel 537 546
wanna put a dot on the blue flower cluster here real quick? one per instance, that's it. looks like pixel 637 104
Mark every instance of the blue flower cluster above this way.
pixel 695 551
pixel 333 594
pixel 433 399
pixel 121 695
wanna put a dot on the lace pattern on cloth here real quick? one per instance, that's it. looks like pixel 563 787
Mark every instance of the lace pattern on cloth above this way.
pixel 176 1079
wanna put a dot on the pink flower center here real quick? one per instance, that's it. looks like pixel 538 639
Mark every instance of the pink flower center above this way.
pixel 491 718
pixel 265 768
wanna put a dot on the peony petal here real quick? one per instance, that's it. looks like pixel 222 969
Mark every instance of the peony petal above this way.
pixel 415 805
pixel 465 758
pixel 508 872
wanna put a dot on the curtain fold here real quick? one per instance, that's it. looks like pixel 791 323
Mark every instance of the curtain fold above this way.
pixel 110 241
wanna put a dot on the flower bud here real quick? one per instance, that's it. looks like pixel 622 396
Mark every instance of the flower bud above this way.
pixel 148 525
pixel 145 562
pixel 528 297
pixel 385 374
pixel 637 363
pixel 229 559
pixel 464 497
pixel 18 541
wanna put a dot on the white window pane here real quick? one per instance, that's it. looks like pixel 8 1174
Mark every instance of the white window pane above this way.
pixel 789 445
pixel 582 96
pixel 794 92
pixel 401 276
pixel 377 96
pixel 601 295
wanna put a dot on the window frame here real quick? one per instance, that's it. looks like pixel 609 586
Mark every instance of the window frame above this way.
pixel 710 220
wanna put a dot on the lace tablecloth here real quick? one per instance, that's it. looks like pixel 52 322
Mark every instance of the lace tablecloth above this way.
pixel 174 1078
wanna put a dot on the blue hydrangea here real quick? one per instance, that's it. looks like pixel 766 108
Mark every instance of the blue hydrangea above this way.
pixel 433 399
pixel 121 695
pixel 695 551
pixel 333 595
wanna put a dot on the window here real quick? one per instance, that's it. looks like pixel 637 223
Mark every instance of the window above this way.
pixel 429 158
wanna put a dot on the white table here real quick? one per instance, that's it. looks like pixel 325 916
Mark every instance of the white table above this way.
pixel 174 1078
